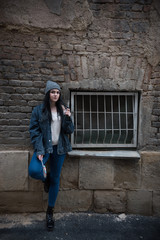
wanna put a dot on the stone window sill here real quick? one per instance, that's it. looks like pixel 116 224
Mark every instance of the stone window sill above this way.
pixel 106 154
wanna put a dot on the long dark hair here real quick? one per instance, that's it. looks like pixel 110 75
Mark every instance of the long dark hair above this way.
pixel 47 109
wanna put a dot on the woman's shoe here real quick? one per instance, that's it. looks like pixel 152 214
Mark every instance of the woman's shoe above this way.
pixel 47 183
pixel 49 219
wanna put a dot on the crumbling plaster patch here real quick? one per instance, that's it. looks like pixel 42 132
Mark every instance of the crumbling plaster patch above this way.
pixel 153 40
pixel 74 15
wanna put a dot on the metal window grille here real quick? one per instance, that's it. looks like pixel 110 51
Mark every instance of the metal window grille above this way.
pixel 104 119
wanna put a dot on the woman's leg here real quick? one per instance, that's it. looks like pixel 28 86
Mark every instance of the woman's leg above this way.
pixel 35 166
pixel 56 162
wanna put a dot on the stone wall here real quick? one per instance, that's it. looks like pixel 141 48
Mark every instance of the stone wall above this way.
pixel 109 45
pixel 117 50
pixel 87 184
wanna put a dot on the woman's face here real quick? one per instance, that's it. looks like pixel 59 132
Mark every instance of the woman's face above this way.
pixel 54 95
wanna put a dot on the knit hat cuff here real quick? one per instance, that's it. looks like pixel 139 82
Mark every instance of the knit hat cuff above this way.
pixel 52 85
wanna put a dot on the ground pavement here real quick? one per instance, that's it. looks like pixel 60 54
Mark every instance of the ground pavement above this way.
pixel 79 226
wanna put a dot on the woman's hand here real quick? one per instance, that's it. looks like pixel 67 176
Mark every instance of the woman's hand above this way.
pixel 40 157
pixel 67 112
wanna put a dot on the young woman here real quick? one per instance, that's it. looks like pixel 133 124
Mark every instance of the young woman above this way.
pixel 49 128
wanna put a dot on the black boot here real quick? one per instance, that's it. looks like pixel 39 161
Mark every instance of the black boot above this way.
pixel 47 183
pixel 49 219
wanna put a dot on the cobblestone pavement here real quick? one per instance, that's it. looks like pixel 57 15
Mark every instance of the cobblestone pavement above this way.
pixel 80 226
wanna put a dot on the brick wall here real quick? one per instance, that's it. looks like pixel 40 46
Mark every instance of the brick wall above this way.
pixel 155 123
pixel 110 45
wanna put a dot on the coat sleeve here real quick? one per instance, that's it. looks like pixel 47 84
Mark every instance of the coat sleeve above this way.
pixel 67 125
pixel 35 133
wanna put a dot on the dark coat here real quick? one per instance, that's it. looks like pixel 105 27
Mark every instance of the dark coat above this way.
pixel 40 133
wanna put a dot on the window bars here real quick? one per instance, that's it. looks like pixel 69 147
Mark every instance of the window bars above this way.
pixel 104 119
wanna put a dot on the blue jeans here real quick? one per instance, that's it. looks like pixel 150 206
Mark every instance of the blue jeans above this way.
pixel 56 163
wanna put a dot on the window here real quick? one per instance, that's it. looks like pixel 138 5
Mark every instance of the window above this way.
pixel 104 119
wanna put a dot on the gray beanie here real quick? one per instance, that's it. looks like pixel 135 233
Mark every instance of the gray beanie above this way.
pixel 51 85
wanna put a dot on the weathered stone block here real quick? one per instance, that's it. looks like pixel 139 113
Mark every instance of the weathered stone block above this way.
pixel 71 61
pixel 69 174
pixel 84 67
pixel 91 48
pixel 67 46
pixel 14 170
pixel 45 71
pixel 79 48
pixel 77 61
pixel 114 201
pixel 150 170
pixel 73 75
pixel 96 174
pixel 156 203
pixel 112 67
pixel 139 202
pixel 21 202
pixel 127 173
pixel 146 110
pixel 119 26
pixel 35 185
pixel 137 7
pixel 140 27
pixel 74 200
